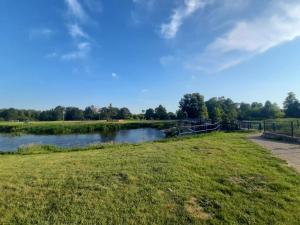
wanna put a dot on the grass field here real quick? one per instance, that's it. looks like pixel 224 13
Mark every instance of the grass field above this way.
pixel 68 127
pixel 219 178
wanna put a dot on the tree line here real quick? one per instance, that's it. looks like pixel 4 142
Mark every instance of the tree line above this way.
pixel 191 106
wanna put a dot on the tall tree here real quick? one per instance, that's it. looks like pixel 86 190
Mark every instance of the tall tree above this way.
pixel 229 109
pixel 291 105
pixel 214 109
pixel 124 114
pixel 150 114
pixel 271 111
pixel 161 113
pixel 73 113
pixel 245 111
pixel 181 115
pixel 194 106
pixel 91 113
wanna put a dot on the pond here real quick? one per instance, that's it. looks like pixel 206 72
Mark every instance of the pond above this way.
pixel 10 143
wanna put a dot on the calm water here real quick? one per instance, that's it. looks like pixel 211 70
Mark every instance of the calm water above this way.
pixel 11 143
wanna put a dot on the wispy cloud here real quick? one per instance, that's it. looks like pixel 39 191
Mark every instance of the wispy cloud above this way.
pixel 170 29
pixel 93 5
pixel 76 9
pixel 76 31
pixel 40 33
pixel 247 38
pixel 81 12
pixel 81 52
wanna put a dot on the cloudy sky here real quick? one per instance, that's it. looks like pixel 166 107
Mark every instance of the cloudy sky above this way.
pixel 141 53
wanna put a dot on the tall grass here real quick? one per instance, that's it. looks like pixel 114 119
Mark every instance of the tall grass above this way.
pixel 79 127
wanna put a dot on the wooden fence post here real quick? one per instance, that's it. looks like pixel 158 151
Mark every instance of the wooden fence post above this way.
pixel 292 128
pixel 264 126
pixel 259 126
pixel 273 127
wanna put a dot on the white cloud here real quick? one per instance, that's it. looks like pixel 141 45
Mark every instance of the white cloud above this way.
pixel 261 34
pixel 76 31
pixel 114 75
pixel 82 50
pixel 170 29
pixel 76 9
pixel 275 26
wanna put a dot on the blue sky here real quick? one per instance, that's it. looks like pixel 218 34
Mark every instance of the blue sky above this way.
pixel 141 53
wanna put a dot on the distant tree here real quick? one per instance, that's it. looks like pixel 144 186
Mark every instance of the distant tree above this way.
pixel 91 113
pixel 291 105
pixel 229 110
pixel 271 111
pixel 245 111
pixel 55 114
pixel 214 109
pixel 58 113
pixel 10 114
pixel 124 114
pixel 73 113
pixel 181 115
pixel 149 114
pixel 113 112
pixel 161 113
pixel 108 113
pixel 172 116
pixel 194 106
pixel 256 109
pixel 140 116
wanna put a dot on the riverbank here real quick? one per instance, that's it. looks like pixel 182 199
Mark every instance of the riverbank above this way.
pixel 79 127
pixel 218 178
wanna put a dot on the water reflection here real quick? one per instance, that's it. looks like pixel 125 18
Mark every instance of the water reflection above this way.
pixel 11 143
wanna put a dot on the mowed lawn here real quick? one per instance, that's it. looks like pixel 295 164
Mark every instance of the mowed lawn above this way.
pixel 217 178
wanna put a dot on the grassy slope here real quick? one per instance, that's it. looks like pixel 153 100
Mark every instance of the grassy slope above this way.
pixel 212 179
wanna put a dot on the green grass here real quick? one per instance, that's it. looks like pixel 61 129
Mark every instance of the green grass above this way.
pixel 60 127
pixel 219 178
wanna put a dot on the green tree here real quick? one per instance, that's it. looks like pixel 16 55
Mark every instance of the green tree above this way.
pixel 194 106
pixel 150 114
pixel 124 113
pixel 172 116
pixel 229 110
pixel 90 113
pixel 291 105
pixel 161 113
pixel 181 115
pixel 73 113
pixel 214 109
pixel 271 111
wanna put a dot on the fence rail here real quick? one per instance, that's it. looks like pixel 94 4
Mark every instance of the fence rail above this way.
pixel 285 127
pixel 289 128
pixel 184 129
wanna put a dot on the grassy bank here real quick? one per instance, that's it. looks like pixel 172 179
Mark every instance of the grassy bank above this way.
pixel 217 178
pixel 61 127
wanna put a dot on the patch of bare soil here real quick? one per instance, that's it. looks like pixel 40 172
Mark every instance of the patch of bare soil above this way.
pixel 196 211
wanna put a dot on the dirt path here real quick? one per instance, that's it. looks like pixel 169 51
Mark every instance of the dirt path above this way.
pixel 285 151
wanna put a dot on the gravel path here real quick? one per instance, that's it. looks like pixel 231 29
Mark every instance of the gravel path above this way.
pixel 285 151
